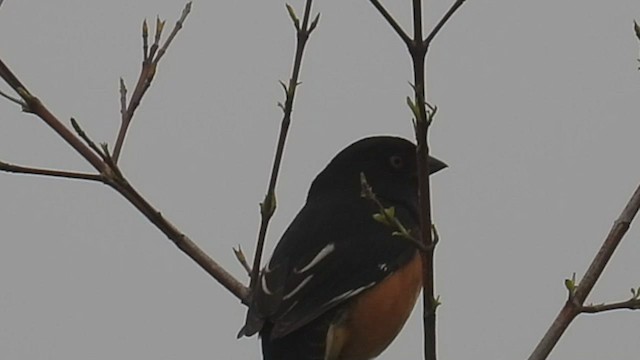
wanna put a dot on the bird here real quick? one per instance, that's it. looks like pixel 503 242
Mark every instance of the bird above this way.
pixel 340 284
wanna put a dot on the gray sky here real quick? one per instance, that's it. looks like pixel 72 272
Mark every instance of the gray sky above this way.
pixel 539 122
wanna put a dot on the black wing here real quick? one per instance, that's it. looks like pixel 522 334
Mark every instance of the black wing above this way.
pixel 332 251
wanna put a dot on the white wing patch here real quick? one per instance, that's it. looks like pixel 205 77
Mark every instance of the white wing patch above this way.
pixel 321 255
pixel 290 308
pixel 302 284
pixel 267 268
pixel 264 285
pixel 350 293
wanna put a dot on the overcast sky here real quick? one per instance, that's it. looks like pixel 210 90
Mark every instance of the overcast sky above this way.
pixel 539 122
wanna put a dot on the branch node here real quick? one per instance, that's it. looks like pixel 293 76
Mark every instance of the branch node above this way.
pixel 29 100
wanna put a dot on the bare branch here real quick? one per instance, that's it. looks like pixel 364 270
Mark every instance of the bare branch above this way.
pixel 149 65
pixel 417 22
pixel 418 51
pixel 111 175
pixel 33 105
pixel 85 137
pixel 116 180
pixel 174 32
pixel 156 38
pixel 394 24
pixel 631 304
pixel 436 29
pixel 48 172
pixel 422 120
pixel 574 307
pixel 268 206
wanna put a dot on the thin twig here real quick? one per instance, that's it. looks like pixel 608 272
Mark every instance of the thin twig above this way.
pixel 631 304
pixel 387 214
pixel 13 99
pixel 268 206
pixel 573 307
pixel 417 21
pixel 394 24
pixel 436 29
pixel 156 38
pixel 179 24
pixel 149 65
pixel 86 138
pixel 242 259
pixel 35 106
pixel 8 76
pixel 17 169
pixel 182 241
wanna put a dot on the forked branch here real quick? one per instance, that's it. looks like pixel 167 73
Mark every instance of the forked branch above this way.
pixel 17 169
pixel 445 18
pixel 108 171
pixel 578 295
pixel 150 61
pixel 418 47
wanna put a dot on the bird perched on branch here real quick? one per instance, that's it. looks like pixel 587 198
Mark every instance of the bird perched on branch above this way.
pixel 341 283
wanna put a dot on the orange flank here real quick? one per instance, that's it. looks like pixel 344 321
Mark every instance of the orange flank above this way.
pixel 375 317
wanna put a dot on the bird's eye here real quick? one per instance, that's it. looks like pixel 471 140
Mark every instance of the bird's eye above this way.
pixel 396 161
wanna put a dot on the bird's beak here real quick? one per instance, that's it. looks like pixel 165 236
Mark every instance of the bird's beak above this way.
pixel 435 165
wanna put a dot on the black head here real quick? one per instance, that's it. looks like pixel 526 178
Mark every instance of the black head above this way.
pixel 389 164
